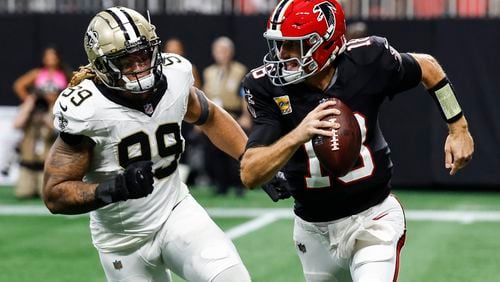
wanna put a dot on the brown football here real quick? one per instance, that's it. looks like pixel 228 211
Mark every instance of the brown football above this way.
pixel 339 153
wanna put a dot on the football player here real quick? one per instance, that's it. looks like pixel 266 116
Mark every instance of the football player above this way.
pixel 117 157
pixel 350 227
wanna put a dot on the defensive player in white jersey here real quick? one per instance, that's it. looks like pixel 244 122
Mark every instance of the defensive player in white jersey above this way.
pixel 118 151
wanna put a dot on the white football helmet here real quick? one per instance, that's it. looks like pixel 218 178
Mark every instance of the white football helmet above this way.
pixel 116 37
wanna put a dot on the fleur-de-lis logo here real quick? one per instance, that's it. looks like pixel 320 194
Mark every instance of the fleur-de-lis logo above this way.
pixel 91 38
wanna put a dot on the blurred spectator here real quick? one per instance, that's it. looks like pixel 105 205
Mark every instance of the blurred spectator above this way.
pixel 472 8
pixel 222 85
pixel 174 45
pixel 429 8
pixel 193 153
pixel 38 90
pixel 356 30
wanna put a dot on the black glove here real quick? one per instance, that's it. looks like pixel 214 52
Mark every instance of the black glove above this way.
pixel 278 187
pixel 135 182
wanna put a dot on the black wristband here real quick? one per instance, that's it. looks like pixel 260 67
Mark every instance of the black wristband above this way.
pixel 443 94
pixel 111 191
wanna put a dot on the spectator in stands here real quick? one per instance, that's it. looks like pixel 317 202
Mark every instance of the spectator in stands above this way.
pixel 37 89
pixel 175 45
pixel 222 85
pixel 429 9
pixel 192 158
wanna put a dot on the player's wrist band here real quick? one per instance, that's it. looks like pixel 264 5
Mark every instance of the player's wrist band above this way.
pixel 444 96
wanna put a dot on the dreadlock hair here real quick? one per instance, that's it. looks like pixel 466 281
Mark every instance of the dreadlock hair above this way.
pixel 83 72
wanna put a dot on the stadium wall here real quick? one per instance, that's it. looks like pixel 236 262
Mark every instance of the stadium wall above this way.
pixel 467 49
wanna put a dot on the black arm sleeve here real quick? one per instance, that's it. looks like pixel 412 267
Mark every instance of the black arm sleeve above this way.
pixel 204 108
pixel 71 139
pixel 406 76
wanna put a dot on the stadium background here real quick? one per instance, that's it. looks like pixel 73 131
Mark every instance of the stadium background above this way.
pixel 465 42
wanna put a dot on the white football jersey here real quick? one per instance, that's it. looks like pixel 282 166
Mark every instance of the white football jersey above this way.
pixel 123 135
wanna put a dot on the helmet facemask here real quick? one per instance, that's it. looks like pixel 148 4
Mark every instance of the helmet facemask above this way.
pixel 276 67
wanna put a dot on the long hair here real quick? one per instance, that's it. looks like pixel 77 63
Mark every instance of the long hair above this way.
pixel 83 72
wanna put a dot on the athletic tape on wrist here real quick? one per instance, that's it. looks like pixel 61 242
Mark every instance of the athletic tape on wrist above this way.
pixel 444 96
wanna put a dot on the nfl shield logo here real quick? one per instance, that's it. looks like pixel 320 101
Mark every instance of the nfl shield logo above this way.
pixel 148 109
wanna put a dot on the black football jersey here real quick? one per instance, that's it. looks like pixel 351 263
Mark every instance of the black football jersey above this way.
pixel 367 72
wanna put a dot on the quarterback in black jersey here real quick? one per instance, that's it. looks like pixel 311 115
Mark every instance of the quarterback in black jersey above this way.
pixel 349 227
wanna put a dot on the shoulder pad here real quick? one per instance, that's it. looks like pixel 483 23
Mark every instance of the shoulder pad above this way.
pixel 74 107
pixel 366 50
pixel 177 67
pixel 256 81
pixel 177 62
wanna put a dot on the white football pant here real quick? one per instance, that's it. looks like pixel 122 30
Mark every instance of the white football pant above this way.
pixel 362 248
pixel 189 243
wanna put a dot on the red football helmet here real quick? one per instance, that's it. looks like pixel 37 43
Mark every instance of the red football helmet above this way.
pixel 317 26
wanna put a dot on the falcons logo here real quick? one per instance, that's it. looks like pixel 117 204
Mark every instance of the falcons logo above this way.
pixel 326 11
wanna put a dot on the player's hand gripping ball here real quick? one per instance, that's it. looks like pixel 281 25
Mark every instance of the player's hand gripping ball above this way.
pixel 338 154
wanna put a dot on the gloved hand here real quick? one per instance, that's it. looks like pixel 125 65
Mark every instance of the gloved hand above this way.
pixel 278 187
pixel 135 182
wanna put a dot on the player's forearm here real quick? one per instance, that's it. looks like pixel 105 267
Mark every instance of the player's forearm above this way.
pixel 64 191
pixel 70 197
pixel 225 133
pixel 260 164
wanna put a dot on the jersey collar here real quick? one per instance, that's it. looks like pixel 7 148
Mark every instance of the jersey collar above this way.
pixel 147 107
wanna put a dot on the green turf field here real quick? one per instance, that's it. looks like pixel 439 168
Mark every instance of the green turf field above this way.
pixel 58 248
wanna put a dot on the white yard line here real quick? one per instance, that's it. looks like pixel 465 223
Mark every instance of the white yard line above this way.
pixel 252 225
pixel 285 213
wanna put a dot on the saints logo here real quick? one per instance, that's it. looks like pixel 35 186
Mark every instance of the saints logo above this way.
pixel 91 38
pixel 62 122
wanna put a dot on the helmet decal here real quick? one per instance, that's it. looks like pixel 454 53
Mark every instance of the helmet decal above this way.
pixel 278 14
pixel 92 38
pixel 326 11
pixel 125 22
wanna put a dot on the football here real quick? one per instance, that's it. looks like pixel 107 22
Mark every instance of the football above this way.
pixel 339 153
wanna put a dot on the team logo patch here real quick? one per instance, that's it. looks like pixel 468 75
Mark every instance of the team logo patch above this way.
pixel 149 109
pixel 283 103
pixel 250 102
pixel 326 11
pixel 117 264
pixel 302 248
pixel 62 122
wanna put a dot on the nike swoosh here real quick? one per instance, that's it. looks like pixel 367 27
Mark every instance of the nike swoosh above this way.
pixel 62 107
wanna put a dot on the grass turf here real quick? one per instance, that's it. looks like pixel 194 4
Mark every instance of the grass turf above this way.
pixel 58 248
